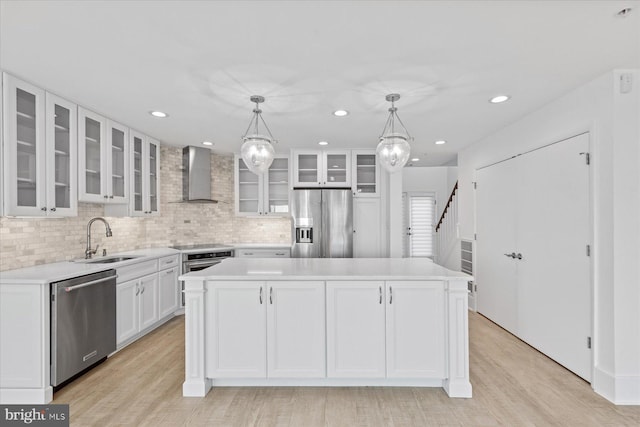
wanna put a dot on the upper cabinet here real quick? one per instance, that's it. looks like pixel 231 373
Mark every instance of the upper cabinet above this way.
pixel 366 173
pixel 145 182
pixel 266 194
pixel 40 143
pixel 103 158
pixel 322 168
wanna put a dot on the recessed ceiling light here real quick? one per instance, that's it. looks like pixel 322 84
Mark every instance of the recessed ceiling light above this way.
pixel 341 113
pixel 207 143
pixel 498 99
pixel 415 159
pixel 323 143
pixel 440 142
pixel 159 114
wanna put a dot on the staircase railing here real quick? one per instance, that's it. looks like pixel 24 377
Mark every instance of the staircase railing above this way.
pixel 447 228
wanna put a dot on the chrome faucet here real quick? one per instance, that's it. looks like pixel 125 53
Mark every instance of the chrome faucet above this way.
pixel 89 251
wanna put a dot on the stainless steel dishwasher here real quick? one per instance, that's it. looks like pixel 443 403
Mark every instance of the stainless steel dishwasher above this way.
pixel 83 323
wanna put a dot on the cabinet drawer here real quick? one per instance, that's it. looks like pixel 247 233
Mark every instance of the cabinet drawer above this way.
pixel 140 269
pixel 263 253
pixel 168 262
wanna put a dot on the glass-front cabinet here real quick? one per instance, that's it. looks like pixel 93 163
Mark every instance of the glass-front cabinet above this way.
pixel 103 159
pixel 322 168
pixel 266 194
pixel 40 143
pixel 145 168
pixel 366 173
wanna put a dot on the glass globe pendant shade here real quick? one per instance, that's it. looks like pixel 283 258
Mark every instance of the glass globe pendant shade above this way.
pixel 393 152
pixel 257 153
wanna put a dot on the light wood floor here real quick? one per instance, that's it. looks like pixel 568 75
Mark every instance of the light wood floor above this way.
pixel 513 385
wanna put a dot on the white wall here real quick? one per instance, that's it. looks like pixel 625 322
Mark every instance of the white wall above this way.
pixel 613 120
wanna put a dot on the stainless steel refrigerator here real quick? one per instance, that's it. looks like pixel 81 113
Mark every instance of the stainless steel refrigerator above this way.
pixel 322 225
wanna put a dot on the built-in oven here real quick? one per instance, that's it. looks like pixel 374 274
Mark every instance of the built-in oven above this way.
pixel 201 256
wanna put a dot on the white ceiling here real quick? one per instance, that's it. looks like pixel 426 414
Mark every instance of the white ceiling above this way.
pixel 199 61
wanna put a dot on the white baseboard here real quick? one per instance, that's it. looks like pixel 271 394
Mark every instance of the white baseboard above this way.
pixel 621 390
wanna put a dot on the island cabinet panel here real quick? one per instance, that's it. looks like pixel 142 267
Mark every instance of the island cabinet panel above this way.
pixel 236 329
pixel 296 329
pixel 415 329
pixel 355 329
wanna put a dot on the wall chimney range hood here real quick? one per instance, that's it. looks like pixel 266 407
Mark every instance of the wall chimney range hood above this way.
pixel 196 175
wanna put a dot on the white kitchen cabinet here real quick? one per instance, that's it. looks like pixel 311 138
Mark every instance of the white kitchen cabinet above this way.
pixel 265 329
pixel 136 306
pixel 415 329
pixel 127 311
pixel 265 194
pixel 355 329
pixel 367 229
pixel 313 168
pixel 168 301
pixel 236 330
pixel 103 159
pixel 296 330
pixel 263 253
pixel 148 299
pixel 366 173
pixel 145 175
pixel 39 151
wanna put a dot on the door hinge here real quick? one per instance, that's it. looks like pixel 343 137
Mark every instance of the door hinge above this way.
pixel 588 250
pixel 53 297
pixel 475 185
pixel 588 342
pixel 587 157
pixel 475 236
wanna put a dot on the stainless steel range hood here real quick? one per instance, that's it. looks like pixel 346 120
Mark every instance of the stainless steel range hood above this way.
pixel 196 175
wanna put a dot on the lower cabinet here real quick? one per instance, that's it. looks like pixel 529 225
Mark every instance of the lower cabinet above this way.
pixel 374 329
pixel 355 329
pixel 168 301
pixel 265 329
pixel 137 306
pixel 393 329
pixel 415 330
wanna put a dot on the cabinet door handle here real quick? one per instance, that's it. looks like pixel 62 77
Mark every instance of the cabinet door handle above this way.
pixel 170 271
pixel 52 209
pixel 111 197
pixel 260 298
pixel 248 253
pixel 105 196
pixel 280 254
pixel 142 291
pixel 271 295
pixel 390 295
pixel 380 291
pixel 44 209
pixel 137 289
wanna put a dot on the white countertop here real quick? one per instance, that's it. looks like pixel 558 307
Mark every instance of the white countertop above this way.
pixel 47 273
pixel 325 269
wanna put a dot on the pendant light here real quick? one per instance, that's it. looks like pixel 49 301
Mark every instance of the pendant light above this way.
pixel 257 150
pixel 394 149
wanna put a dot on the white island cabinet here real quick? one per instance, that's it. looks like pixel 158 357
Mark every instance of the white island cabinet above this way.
pixel 389 322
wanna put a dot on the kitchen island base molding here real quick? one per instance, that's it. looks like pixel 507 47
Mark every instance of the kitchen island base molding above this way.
pixel 311 324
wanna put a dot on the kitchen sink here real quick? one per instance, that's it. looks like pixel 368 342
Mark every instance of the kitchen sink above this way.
pixel 110 260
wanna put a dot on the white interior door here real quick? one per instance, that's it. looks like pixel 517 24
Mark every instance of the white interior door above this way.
pixel 554 297
pixel 496 273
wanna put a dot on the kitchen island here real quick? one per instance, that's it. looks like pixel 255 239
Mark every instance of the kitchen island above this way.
pixel 326 322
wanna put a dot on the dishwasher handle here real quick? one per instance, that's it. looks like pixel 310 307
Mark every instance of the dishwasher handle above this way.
pixel 93 282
